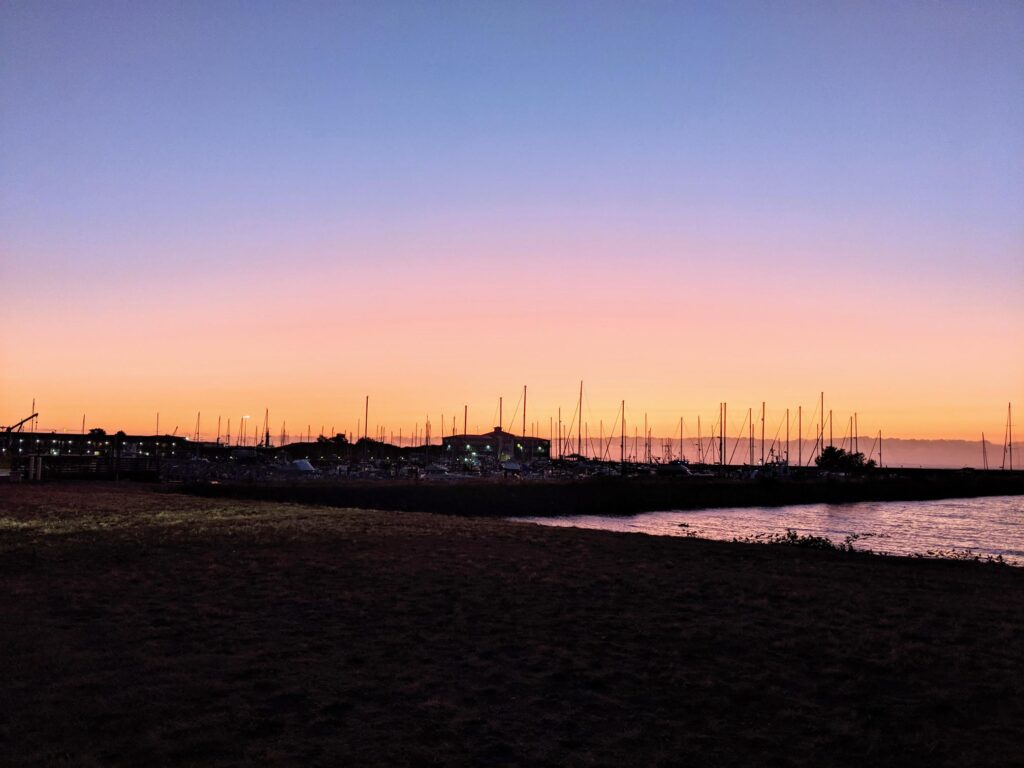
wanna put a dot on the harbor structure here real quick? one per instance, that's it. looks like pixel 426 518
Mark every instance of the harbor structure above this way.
pixel 496 445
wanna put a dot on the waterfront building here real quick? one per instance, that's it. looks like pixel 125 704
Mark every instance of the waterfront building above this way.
pixel 496 445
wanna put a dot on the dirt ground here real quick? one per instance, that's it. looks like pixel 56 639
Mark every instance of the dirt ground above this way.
pixel 148 628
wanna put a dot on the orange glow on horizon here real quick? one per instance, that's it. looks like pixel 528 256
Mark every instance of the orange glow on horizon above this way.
pixel 425 328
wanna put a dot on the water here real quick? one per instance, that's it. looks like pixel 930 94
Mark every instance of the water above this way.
pixel 990 526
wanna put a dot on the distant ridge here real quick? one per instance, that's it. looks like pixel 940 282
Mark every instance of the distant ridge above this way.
pixel 896 452
pixel 913 452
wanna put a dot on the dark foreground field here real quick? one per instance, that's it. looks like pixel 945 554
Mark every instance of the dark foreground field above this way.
pixel 140 628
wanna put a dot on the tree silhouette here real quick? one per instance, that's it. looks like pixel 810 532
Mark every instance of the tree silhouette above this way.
pixel 839 460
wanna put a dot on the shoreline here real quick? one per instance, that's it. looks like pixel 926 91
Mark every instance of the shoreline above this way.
pixel 615 496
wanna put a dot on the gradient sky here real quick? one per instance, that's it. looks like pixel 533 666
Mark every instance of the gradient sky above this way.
pixel 222 207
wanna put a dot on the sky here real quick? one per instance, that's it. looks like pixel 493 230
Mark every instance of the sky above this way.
pixel 222 207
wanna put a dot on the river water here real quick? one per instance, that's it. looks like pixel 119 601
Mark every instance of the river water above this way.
pixel 990 526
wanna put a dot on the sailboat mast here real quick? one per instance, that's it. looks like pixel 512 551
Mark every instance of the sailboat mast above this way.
pixel 622 439
pixel 821 434
pixel 721 433
pixel 725 421
pixel 750 431
pixel 579 425
pixel 524 414
pixel 762 433
pixel 787 437
pixel 700 443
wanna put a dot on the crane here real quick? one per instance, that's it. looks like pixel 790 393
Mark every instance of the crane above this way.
pixel 8 431
pixel 17 427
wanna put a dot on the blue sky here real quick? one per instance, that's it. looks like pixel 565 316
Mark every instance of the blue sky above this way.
pixel 863 156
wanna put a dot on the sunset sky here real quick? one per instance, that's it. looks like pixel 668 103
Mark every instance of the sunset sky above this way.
pixel 222 207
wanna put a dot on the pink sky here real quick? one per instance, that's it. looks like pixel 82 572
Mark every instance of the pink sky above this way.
pixel 222 210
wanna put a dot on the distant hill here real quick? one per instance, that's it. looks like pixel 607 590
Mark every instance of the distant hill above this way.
pixel 944 453
pixel 896 452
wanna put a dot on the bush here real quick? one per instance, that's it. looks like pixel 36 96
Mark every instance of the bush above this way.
pixel 792 539
pixel 839 460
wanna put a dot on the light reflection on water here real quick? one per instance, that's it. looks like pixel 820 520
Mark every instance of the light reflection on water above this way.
pixel 988 526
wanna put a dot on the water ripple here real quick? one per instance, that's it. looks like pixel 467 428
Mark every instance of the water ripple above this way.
pixel 990 526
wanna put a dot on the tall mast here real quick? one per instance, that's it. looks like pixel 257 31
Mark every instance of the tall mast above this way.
pixel 787 437
pixel 856 429
pixel 721 432
pixel 800 436
pixel 1009 423
pixel 750 431
pixel 984 453
pixel 622 439
pixel 821 445
pixel 465 419
pixel 366 417
pixel 524 415
pixel 579 425
pixel 830 442
pixel 762 433
pixel 700 443
pixel 725 421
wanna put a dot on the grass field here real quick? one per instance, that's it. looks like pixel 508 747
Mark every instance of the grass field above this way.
pixel 148 628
